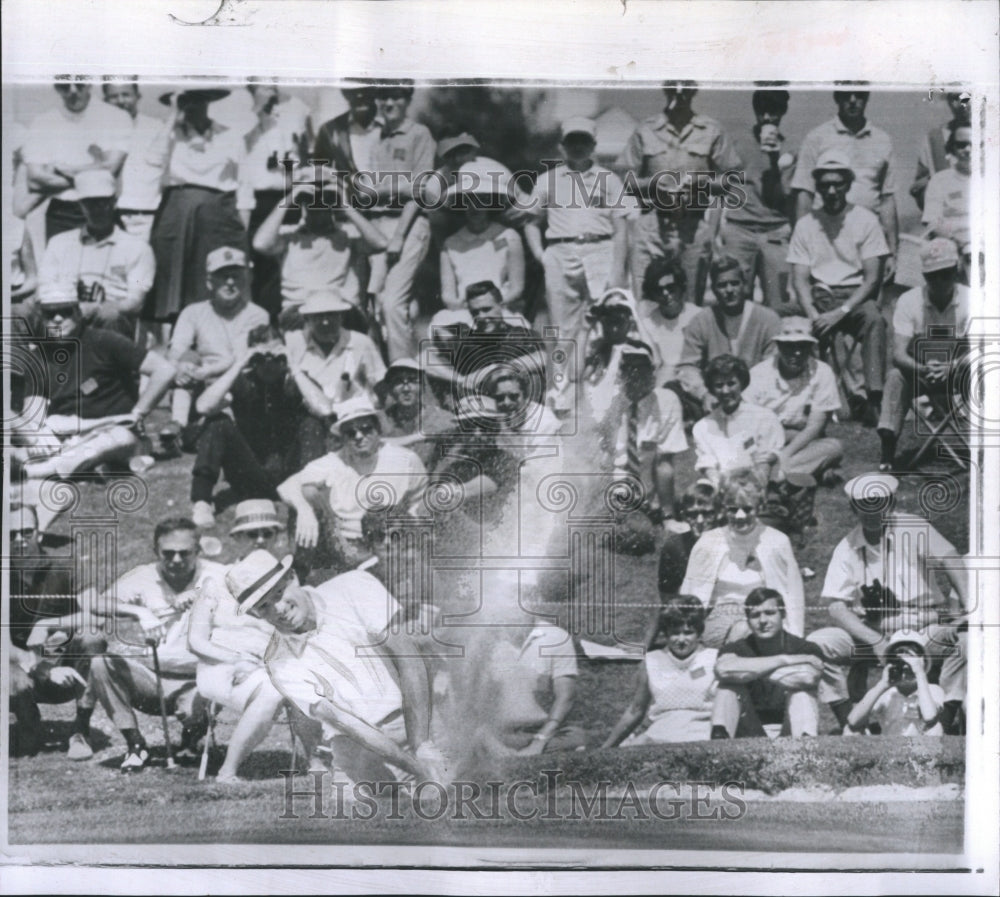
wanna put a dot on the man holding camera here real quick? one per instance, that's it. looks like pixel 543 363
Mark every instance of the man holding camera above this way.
pixel 882 578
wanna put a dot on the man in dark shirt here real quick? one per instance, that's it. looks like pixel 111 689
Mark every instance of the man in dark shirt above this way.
pixel 49 650
pixel 767 678
pixel 338 139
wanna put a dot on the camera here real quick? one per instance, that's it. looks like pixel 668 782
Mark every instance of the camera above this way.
pixel 878 601
pixel 897 670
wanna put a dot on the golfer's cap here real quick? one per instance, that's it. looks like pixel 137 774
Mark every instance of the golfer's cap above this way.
pixel 908 637
pixel 399 365
pixel 225 257
pixel 833 160
pixel 614 298
pixel 868 488
pixel 95 183
pixel 795 329
pixel 349 410
pixel 452 143
pixel 325 302
pixel 578 125
pixel 252 578
pixel 483 177
pixel 255 513
pixel 450 317
pixel 937 255
pixel 58 292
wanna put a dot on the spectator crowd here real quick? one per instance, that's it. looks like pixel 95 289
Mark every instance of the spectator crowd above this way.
pixel 683 315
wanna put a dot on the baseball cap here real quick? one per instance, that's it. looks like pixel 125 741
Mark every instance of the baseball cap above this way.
pixel 482 177
pixel 795 329
pixel 833 160
pixel 937 255
pixel 324 302
pixel 452 143
pixel 578 125
pixel 871 487
pixel 225 257
pixel 252 578
pixel 351 409
pixel 95 183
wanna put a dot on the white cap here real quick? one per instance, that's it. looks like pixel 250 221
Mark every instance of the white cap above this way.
pixel 225 257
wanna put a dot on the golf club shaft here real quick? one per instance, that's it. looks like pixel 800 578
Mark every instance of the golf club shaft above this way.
pixel 163 706
pixel 203 766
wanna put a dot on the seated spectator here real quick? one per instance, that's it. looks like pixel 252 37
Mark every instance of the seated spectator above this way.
pixel 802 392
pixel 903 701
pixel 768 678
pixel 666 314
pixel 733 326
pixel 112 269
pixel 359 697
pixel 838 253
pixel 325 252
pixel 947 207
pixel 675 690
pixel 942 302
pixel 251 427
pixel 880 580
pixel 49 640
pixel 93 407
pixel 365 461
pixel 519 412
pixel 158 597
pixel 484 248
pixel 209 336
pixel 329 362
pixel 410 416
pixel 728 563
pixel 736 434
pixel 256 524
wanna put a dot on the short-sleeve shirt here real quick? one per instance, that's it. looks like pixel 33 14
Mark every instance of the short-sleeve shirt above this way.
pixel 352 368
pixel 40 588
pixel 815 389
pixel 63 138
pixel 902 560
pixel 319 263
pixel 215 159
pixel 766 697
pixel 409 149
pixel 835 247
pixel 914 313
pixel 341 659
pixel 121 263
pixel 870 154
pixel 395 467
pixel 95 375
pixel 484 256
pixel 146 587
pixel 668 334
pixel 142 176
pixel 897 714
pixel 727 441
pixel 217 340
pixel 947 204
pixel 580 203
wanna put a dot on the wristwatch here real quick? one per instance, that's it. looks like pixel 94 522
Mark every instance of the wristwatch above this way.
pixel 845 308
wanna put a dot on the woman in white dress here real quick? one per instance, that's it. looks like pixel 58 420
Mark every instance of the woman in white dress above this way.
pixel 676 683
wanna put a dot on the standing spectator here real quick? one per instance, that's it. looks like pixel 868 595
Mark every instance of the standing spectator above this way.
pixel 676 683
pixel 206 200
pixel 62 142
pixel 583 208
pixel 838 255
pixel 767 678
pixel 484 248
pixel 733 326
pixel 405 150
pixel 347 143
pixel 279 140
pixel 863 148
pixel 802 392
pixel 729 562
pixel 942 302
pixel 933 155
pixel 663 154
pixel 142 179
pixel 112 269
pixel 947 200
pixel 666 314
pixel 756 231
pixel 158 597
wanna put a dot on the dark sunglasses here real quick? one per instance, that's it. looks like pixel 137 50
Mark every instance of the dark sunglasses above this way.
pixel 961 144
pixel 746 509
pixel 352 430
pixel 57 311
pixel 255 534
pixel 181 553
pixel 22 534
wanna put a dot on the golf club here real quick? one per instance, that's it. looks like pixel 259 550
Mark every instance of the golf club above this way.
pixel 152 643
pixel 209 738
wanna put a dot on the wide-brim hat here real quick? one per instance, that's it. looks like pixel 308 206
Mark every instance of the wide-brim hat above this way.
pixel 578 124
pixel 351 409
pixel 252 578
pixel 482 177
pixel 325 302
pixel 452 143
pixel 833 160
pixel 795 329
pixel 871 488
pixel 400 364
pixel 908 637
pixel 255 513
pixel 199 94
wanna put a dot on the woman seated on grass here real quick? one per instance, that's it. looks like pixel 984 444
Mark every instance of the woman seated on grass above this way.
pixel 676 685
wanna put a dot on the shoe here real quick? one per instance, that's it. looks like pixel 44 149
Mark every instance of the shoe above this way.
pixel 135 760
pixel 230 780
pixel 78 748
pixel 203 515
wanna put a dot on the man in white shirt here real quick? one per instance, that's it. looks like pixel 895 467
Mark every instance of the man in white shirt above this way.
pixel 141 178
pixel 62 142
pixel 112 270
pixel 158 598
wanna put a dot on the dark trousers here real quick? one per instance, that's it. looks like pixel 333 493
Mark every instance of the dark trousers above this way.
pixel 265 286
pixel 222 448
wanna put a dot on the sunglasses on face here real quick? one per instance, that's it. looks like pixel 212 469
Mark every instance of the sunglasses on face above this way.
pixel 353 430
pixel 254 535
pixel 182 554
pixel 962 144
pixel 508 397
pixel 24 534
pixel 826 186
pixel 735 509
pixel 58 311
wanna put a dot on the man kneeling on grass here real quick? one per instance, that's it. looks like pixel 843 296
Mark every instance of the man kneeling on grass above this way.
pixel 768 679
pixel 336 658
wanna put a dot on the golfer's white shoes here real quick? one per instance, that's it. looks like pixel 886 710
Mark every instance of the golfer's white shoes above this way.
pixel 78 748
